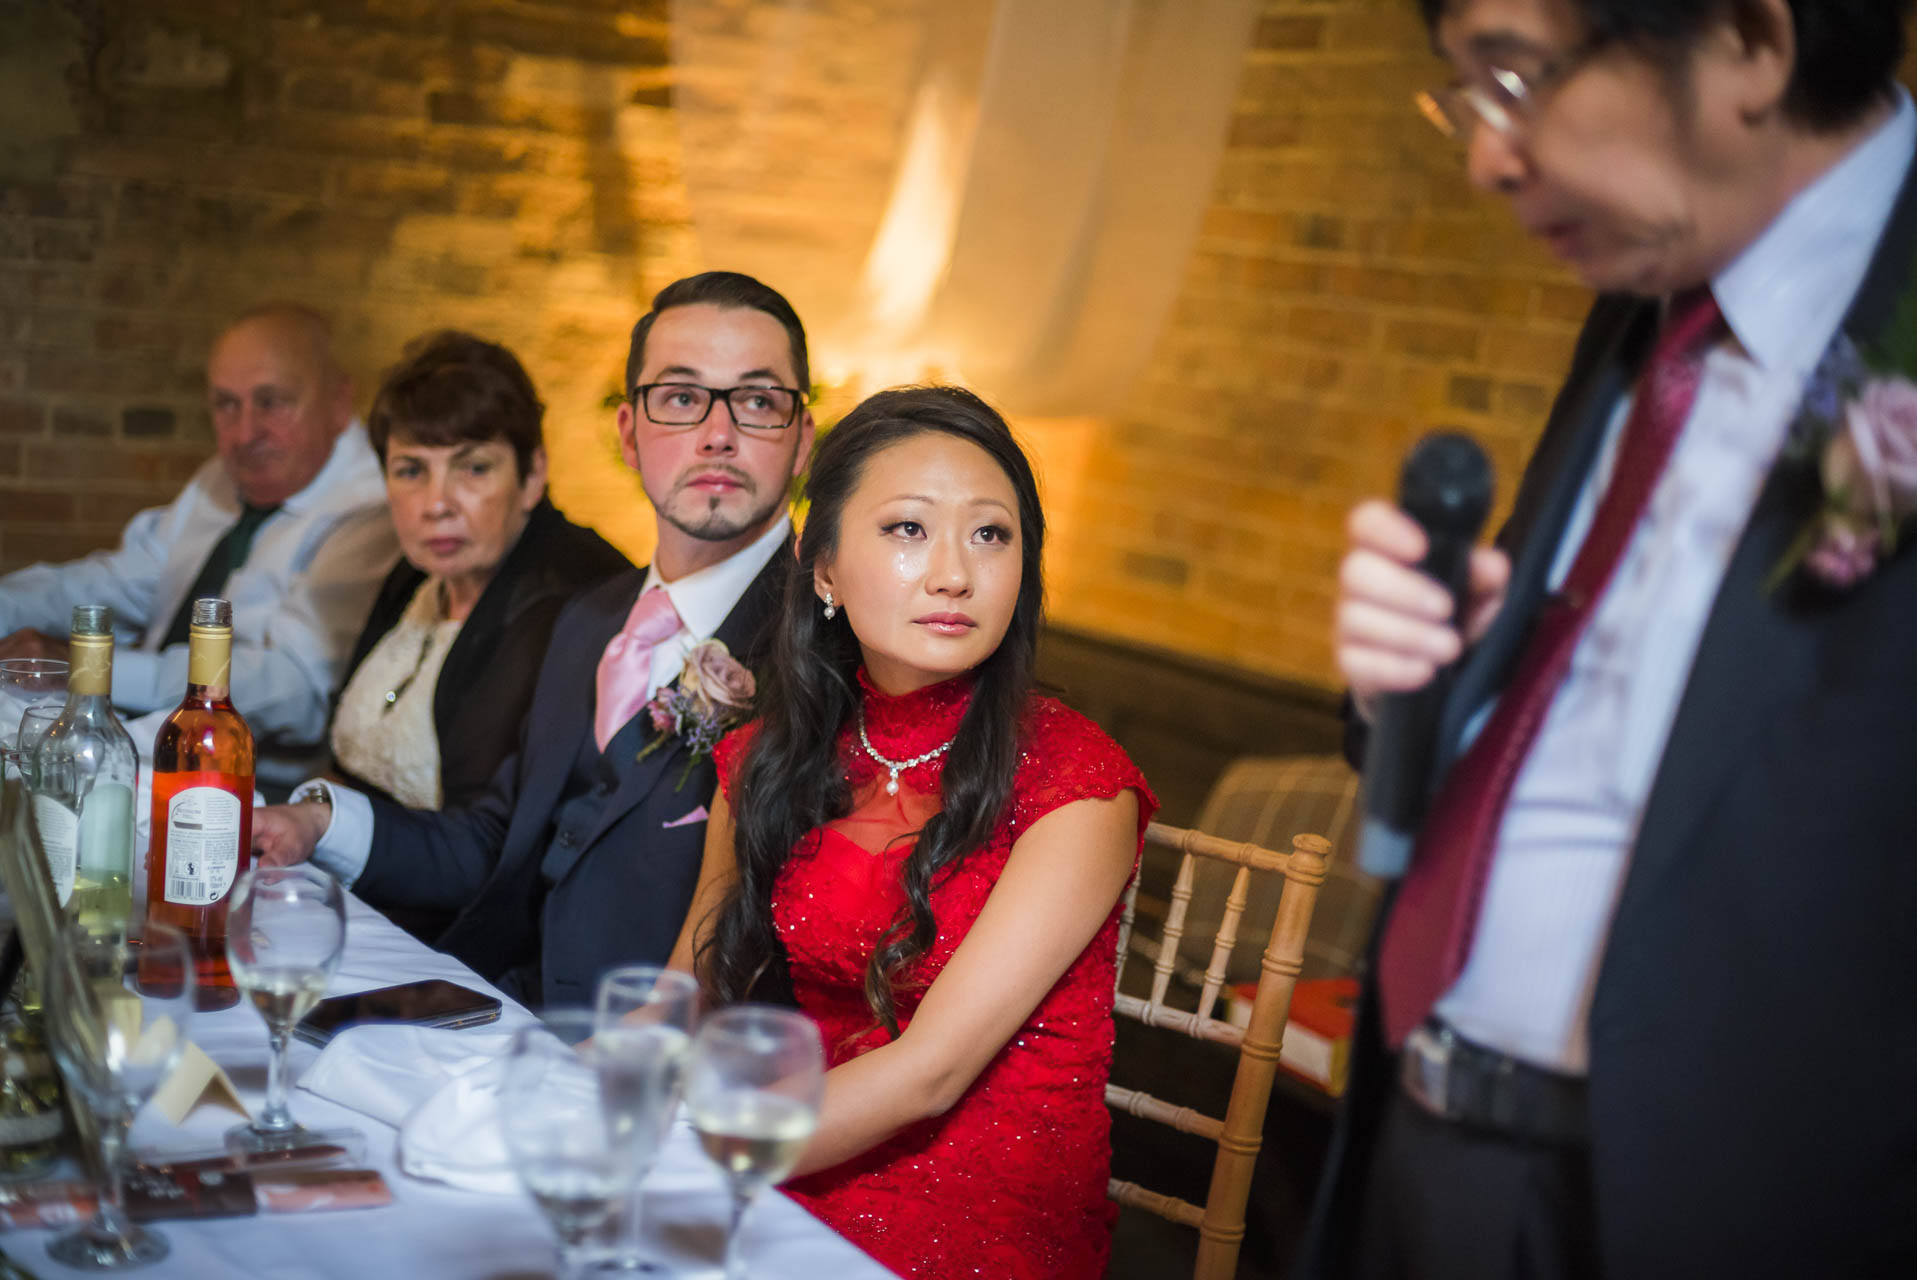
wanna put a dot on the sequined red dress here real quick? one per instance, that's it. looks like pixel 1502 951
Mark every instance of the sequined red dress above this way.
pixel 1009 1183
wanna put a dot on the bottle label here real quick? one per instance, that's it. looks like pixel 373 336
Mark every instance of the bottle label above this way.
pixel 202 845
pixel 59 830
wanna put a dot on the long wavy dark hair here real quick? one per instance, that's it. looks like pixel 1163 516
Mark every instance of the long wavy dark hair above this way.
pixel 792 781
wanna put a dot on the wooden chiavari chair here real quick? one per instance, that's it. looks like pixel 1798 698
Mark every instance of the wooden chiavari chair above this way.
pixel 1221 1220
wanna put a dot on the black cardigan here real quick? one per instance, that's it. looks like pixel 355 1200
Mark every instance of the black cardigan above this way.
pixel 486 683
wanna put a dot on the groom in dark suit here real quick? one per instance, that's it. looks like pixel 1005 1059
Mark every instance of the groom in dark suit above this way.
pixel 1642 1005
pixel 584 851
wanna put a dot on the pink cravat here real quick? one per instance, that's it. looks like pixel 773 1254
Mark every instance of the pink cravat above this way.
pixel 1435 918
pixel 625 668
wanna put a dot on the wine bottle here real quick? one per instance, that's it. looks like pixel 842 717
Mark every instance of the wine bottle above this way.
pixel 202 806
pixel 83 776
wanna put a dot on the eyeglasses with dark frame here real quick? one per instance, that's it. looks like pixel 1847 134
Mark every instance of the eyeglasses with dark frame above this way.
pixel 687 404
pixel 1506 100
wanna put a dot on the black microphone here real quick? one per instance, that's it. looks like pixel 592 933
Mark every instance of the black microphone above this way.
pixel 1446 487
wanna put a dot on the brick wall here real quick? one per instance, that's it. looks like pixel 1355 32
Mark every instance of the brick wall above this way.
pixel 516 167
pixel 403 164
pixel 1349 292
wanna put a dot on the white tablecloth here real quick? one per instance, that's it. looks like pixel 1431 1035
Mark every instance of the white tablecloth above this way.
pixel 431 1231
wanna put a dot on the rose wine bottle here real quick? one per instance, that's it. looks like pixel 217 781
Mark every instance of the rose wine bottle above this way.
pixel 202 806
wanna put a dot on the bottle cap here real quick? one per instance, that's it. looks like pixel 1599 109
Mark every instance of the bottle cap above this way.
pixel 92 620
pixel 212 612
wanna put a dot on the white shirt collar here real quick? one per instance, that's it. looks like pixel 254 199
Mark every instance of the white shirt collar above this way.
pixel 1792 285
pixel 703 599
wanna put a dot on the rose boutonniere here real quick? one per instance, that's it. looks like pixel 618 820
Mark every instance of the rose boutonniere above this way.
pixel 713 693
pixel 1859 425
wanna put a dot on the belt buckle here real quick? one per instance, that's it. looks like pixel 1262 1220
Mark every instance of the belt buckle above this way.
pixel 1424 1069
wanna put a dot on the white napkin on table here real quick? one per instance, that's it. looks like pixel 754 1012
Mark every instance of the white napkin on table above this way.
pixel 438 1087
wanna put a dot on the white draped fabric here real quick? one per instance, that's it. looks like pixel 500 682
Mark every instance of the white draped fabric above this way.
pixel 1028 226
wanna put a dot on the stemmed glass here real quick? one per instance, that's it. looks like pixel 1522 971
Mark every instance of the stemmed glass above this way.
pixel 285 930
pixel 560 1126
pixel 27 682
pixel 34 723
pixel 642 1029
pixel 754 1085
pixel 116 1039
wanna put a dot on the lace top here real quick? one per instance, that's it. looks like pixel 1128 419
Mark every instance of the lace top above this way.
pixel 383 729
pixel 1011 1181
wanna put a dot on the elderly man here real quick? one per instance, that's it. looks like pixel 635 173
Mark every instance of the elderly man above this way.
pixel 289 522
pixel 586 849
pixel 1642 1003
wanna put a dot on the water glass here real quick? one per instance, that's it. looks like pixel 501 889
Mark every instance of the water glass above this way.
pixel 754 1085
pixel 285 930
pixel 642 1028
pixel 116 1039
pixel 563 1131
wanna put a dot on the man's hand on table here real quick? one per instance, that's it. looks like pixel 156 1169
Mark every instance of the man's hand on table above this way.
pixel 34 644
pixel 284 834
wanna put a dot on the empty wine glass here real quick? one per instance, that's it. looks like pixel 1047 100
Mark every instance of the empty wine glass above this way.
pixel 34 723
pixel 27 682
pixel 115 1040
pixel 642 1029
pixel 568 1146
pixel 285 930
pixel 754 1083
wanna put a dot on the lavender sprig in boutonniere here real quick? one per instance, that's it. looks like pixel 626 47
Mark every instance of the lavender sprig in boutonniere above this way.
pixel 712 694
pixel 1859 425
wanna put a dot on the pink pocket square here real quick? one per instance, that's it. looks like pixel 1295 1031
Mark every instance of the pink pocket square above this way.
pixel 697 815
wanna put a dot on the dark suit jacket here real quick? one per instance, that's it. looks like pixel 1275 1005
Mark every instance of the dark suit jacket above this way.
pixel 623 892
pixel 1753 1074
pixel 487 680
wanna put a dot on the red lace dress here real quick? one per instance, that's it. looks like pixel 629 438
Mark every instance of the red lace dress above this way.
pixel 1011 1181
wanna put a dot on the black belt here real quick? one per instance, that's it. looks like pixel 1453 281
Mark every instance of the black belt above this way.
pixel 1480 1088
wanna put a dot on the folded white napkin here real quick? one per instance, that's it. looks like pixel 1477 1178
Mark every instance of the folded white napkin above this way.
pixel 438 1087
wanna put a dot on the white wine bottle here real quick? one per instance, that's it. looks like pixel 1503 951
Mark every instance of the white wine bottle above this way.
pixel 83 777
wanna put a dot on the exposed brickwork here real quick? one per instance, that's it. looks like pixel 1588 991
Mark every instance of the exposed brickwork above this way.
pixel 517 168
pixel 403 164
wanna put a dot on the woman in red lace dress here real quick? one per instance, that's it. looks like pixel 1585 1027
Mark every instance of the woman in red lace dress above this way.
pixel 928 857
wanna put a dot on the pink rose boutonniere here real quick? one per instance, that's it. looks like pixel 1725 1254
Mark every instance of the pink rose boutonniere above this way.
pixel 1860 426
pixel 713 693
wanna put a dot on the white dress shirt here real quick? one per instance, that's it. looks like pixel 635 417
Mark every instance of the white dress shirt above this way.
pixel 1565 843
pixel 299 600
pixel 702 601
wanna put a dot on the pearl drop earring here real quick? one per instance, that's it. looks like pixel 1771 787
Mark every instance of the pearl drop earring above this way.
pixel 831 610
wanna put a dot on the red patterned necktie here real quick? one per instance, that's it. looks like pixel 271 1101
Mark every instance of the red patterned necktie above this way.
pixel 1429 936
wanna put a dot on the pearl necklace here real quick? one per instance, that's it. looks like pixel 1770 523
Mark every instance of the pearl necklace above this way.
pixel 898 766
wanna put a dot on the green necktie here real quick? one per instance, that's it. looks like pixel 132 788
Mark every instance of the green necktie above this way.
pixel 228 554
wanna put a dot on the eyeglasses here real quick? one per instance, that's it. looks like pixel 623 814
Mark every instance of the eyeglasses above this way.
pixel 1506 100
pixel 686 404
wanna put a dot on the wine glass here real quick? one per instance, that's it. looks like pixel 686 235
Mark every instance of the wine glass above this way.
pixel 285 930
pixel 642 1029
pixel 563 1131
pixel 116 1039
pixel 754 1084
pixel 34 723
pixel 27 682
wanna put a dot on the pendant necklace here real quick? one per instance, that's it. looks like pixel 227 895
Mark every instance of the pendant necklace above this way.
pixel 898 766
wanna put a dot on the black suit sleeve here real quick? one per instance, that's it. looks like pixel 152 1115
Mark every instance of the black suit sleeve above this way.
pixel 424 859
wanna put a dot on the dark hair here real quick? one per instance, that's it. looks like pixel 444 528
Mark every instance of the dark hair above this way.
pixel 727 289
pixel 451 388
pixel 792 781
pixel 1847 50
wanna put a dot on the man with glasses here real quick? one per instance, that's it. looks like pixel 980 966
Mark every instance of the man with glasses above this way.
pixel 1641 1004
pixel 584 853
